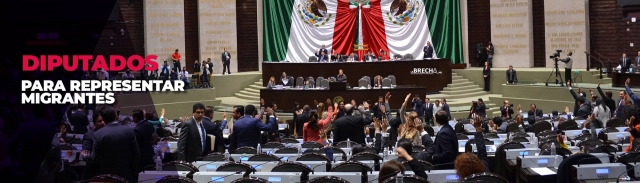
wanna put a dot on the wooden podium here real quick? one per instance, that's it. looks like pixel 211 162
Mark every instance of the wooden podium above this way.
pixel 361 49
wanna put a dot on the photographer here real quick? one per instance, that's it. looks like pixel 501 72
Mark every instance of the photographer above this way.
pixel 567 67
pixel 506 110
pixel 418 106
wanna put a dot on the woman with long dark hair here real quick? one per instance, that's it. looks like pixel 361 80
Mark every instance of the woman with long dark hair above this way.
pixel 602 112
pixel 312 129
pixel 473 109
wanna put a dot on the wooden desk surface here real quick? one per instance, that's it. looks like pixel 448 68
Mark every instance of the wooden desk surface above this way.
pixel 618 79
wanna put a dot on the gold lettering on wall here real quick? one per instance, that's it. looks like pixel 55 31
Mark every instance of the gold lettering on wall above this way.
pixel 510 34
pixel 164 28
pixel 217 28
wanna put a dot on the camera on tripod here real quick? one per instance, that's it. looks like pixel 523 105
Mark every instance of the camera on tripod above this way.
pixel 556 55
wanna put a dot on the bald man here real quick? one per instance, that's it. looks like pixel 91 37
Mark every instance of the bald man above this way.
pixel 349 127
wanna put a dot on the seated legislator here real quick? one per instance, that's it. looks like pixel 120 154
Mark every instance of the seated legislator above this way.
pixel 322 56
pixel 369 57
pixel 272 83
pixel 341 77
pixel 383 56
pixel 284 80
pixel 352 58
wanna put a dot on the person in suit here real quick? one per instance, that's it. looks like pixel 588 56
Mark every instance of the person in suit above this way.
pixel 418 106
pixel 210 66
pixel 482 108
pixel 428 51
pixel 624 63
pixel 369 57
pixel 322 56
pixel 486 73
pixel 323 50
pixel 377 108
pixel 480 51
pixel 620 108
pixel 349 127
pixel 143 130
pixel 226 61
pixel 568 63
pixel 631 95
pixel 115 148
pixel 428 111
pixel 506 111
pixel 193 136
pixel 446 142
pixel 637 60
pixel 90 169
pixel 473 109
pixel 285 80
pixel 302 118
pixel 341 76
pixel 79 120
pixel 512 76
pixel 585 109
pixel 575 97
pixel 165 70
pixel 490 54
pixel 607 99
pixel 445 107
pixel 533 109
pixel 215 129
pixel 246 130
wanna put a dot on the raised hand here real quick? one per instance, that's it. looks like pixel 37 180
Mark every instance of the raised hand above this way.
pixel 387 96
pixel 600 82
pixel 407 98
pixel 590 91
pixel 626 83
pixel 224 115
pixel 335 106
pixel 568 83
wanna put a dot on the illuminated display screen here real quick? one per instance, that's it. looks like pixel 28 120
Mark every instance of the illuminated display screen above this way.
pixel 217 179
pixel 275 179
pixel 258 167
pixel 211 167
pixel 524 153
pixel 244 159
pixel 543 161
pixel 285 158
pixel 602 171
pixel 452 177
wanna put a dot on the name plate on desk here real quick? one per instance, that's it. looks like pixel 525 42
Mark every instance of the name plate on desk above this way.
pixel 337 86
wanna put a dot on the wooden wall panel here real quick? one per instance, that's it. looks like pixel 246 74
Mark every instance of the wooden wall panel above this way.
pixel 603 18
pixel 479 18
pixel 247 26
pixel 191 34
pixel 539 46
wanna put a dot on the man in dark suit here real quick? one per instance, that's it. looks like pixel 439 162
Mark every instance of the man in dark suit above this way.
pixel 349 127
pixel 226 61
pixel 446 142
pixel 193 136
pixel 246 130
pixel 535 111
pixel 369 57
pixel 428 51
pixel 506 111
pixel 90 169
pixel 512 76
pixel 486 74
pixel 215 129
pixel 79 120
pixel 144 129
pixel 576 106
pixel 341 76
pixel 624 63
pixel 482 108
pixel 608 100
pixel 285 80
pixel 322 56
pixel 301 119
pixel 480 50
pixel 115 148
pixel 428 110
pixel 377 108
pixel 445 107
pixel 585 110
pixel 323 50
pixel 418 106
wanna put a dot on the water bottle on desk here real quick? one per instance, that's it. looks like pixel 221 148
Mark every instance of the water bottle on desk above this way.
pixel 553 149
pixel 158 164
pixel 226 154
pixel 348 143
pixel 259 149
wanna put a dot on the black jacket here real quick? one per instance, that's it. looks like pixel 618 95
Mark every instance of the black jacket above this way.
pixel 504 111
pixel 189 143
pixel 115 150
pixel 79 121
pixel 349 127
pixel 144 130
pixel 446 147
pixel 609 102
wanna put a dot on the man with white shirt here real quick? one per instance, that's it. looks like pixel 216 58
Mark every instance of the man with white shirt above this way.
pixel 193 136
pixel 285 81
pixel 184 76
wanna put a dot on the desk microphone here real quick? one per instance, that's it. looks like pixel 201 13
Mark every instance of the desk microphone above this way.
pixel 586 159
pixel 618 179
pixel 313 170
pixel 237 172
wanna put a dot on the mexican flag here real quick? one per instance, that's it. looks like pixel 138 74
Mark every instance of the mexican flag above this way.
pixel 294 29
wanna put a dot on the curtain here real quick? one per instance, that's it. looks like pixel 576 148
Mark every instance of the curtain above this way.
pixel 277 25
pixel 344 30
pixel 374 29
pixel 446 28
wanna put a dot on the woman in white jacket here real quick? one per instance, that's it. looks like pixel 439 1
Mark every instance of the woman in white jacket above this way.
pixel 602 112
